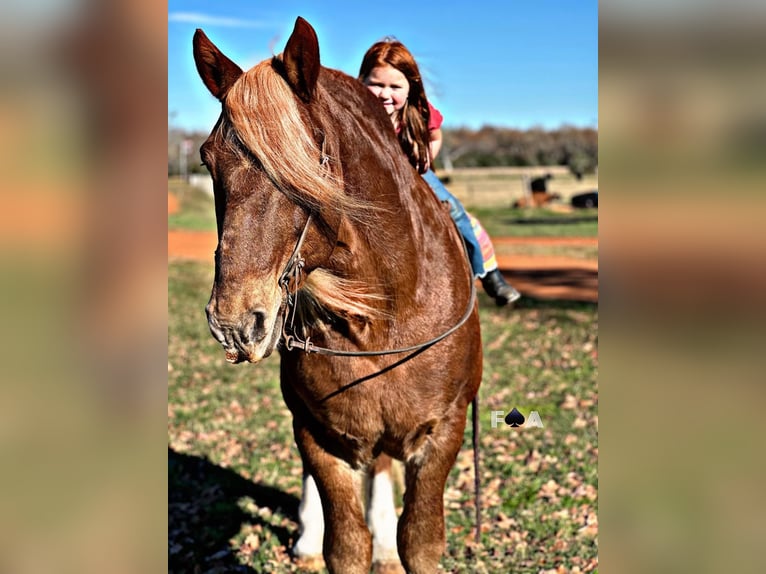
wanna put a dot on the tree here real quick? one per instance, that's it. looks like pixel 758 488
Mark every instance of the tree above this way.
pixel 488 146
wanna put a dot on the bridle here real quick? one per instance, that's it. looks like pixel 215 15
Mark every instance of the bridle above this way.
pixel 290 281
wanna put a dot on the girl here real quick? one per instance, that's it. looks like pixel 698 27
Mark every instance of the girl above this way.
pixel 391 73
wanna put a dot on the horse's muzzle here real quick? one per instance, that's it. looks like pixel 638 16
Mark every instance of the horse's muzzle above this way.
pixel 248 337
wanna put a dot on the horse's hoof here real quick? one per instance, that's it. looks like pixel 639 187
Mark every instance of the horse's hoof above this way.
pixel 387 568
pixel 310 563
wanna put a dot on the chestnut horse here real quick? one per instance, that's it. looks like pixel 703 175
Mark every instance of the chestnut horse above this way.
pixel 332 248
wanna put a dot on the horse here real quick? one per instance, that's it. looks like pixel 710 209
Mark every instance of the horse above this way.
pixel 334 251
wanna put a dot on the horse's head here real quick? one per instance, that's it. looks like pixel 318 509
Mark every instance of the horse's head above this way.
pixel 270 169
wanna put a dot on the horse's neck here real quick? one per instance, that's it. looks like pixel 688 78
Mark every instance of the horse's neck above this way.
pixel 402 251
pixel 396 252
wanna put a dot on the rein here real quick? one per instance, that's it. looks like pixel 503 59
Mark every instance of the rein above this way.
pixel 293 273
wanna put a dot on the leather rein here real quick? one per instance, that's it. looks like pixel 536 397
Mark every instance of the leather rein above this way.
pixel 290 281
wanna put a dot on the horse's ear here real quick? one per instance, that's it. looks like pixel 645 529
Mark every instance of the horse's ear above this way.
pixel 301 60
pixel 216 70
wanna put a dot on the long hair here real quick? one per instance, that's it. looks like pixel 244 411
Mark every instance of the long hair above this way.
pixel 414 116
pixel 263 111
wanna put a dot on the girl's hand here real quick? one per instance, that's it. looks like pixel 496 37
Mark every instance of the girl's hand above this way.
pixel 435 145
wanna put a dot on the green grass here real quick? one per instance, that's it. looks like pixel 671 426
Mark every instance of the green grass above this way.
pixel 536 222
pixel 196 211
pixel 234 472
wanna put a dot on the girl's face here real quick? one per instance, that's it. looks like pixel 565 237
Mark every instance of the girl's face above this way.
pixel 390 86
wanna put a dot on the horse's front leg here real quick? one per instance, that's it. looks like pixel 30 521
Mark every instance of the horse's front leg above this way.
pixel 433 450
pixel 381 516
pixel 381 520
pixel 308 548
pixel 347 546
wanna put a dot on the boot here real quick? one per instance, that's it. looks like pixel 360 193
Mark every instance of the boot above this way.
pixel 496 287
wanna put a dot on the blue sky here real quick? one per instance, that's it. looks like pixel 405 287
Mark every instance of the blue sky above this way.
pixel 508 63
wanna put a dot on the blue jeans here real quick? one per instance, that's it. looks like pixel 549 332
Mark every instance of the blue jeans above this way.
pixel 459 216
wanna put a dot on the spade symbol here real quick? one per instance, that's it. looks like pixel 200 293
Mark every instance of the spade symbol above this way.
pixel 514 418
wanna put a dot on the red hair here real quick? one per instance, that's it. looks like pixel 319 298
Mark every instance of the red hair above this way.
pixel 413 117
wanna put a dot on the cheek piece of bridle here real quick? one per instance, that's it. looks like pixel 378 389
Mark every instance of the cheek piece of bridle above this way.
pixel 291 279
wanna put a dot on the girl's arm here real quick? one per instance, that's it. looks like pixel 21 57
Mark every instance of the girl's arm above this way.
pixel 435 143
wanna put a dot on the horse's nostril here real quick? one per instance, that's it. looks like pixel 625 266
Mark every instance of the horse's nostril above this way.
pixel 241 331
pixel 259 325
pixel 253 327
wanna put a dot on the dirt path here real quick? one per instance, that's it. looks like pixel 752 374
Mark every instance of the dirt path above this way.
pixel 172 203
pixel 541 277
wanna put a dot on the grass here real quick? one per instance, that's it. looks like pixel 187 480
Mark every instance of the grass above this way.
pixel 583 252
pixel 536 222
pixel 196 211
pixel 234 472
pixel 489 193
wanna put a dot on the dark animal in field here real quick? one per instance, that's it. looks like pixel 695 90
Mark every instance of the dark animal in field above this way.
pixel 540 184
pixel 585 200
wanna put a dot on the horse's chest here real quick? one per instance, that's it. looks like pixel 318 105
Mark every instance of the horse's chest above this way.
pixel 362 414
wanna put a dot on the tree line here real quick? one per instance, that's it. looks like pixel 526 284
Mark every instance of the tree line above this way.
pixel 489 146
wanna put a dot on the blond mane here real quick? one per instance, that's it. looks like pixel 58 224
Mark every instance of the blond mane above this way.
pixel 264 113
pixel 324 295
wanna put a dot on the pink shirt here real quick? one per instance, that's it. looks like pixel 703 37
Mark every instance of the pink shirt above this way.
pixel 436 119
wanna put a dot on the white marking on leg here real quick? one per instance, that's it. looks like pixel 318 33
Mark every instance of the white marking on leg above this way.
pixel 311 520
pixel 382 519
